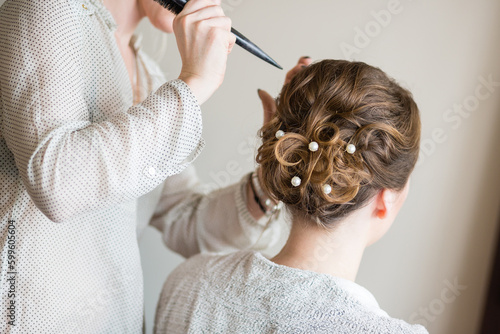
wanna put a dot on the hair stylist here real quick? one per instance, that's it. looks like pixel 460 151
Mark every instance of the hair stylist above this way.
pixel 87 161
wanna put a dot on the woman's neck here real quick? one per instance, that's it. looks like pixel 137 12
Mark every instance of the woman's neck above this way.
pixel 127 15
pixel 336 252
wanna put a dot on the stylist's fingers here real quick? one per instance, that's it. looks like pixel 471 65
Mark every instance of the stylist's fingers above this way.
pixel 268 105
pixel 204 40
pixel 212 17
pixel 221 31
pixel 195 5
pixel 301 64
pixel 205 13
pixel 305 61
pixel 232 41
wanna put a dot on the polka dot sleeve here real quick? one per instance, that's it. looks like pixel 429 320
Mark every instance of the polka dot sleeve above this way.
pixel 70 159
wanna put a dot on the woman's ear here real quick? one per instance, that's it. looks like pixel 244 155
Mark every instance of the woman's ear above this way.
pixel 384 210
pixel 385 202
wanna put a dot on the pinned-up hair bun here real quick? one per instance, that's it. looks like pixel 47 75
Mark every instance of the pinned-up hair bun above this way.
pixel 367 130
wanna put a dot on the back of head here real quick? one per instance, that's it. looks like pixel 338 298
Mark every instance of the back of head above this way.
pixel 336 103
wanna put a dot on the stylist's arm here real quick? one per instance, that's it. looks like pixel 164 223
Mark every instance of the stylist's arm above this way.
pixel 77 144
pixel 204 41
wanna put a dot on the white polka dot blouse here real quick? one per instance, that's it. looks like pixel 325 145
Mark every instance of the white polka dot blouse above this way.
pixel 83 170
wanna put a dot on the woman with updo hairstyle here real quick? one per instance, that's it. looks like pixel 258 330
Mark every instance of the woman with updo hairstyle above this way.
pixel 338 154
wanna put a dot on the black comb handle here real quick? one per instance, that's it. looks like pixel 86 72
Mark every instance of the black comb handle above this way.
pixel 246 44
pixel 176 7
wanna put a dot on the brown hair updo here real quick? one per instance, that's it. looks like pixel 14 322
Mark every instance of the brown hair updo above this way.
pixel 336 103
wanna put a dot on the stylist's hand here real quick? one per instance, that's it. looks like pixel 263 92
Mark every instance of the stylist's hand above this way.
pixel 204 40
pixel 268 102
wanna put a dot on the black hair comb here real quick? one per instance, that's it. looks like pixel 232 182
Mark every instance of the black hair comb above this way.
pixel 176 6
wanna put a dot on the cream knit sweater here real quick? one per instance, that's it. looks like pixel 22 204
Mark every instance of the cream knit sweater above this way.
pixel 244 292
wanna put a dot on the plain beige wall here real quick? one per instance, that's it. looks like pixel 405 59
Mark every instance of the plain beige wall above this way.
pixel 440 50
pixel 446 231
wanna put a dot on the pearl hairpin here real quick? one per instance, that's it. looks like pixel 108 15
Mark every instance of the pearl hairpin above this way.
pixel 296 181
pixel 327 189
pixel 350 149
pixel 313 146
pixel 279 134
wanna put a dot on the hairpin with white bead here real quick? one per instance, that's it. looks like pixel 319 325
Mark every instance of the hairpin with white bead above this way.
pixel 279 134
pixel 351 149
pixel 313 146
pixel 296 181
pixel 327 189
